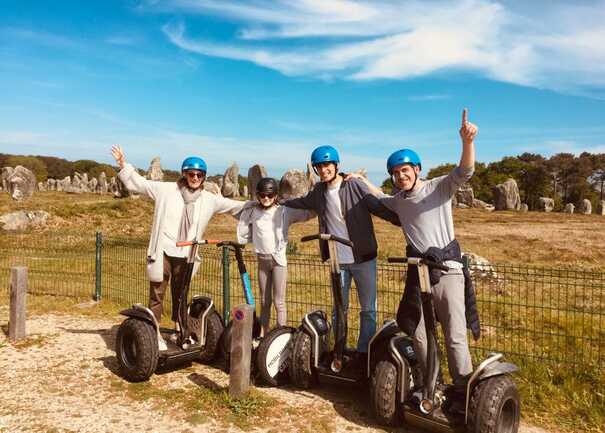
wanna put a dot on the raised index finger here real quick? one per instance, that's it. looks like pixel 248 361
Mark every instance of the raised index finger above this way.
pixel 464 116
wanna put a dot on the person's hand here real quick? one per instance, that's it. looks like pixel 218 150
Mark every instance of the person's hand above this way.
pixel 354 175
pixel 118 155
pixel 468 130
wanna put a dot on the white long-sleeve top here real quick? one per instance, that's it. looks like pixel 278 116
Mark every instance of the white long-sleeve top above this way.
pixel 166 196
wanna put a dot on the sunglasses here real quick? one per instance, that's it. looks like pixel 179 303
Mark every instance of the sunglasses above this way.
pixel 263 195
pixel 194 174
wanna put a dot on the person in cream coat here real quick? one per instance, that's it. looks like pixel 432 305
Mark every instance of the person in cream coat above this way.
pixel 182 211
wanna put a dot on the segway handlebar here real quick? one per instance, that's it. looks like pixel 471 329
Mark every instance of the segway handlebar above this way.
pixel 327 237
pixel 194 242
pixel 415 260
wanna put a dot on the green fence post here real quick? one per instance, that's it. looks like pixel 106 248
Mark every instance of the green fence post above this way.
pixel 226 289
pixel 98 249
pixel 465 262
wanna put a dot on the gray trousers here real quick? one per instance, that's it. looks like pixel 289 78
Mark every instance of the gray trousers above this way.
pixel 448 298
pixel 272 282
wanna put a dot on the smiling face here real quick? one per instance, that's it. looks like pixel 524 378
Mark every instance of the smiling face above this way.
pixel 195 178
pixel 326 171
pixel 266 199
pixel 405 175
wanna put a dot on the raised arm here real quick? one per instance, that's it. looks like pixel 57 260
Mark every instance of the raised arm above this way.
pixel 468 131
pixel 132 180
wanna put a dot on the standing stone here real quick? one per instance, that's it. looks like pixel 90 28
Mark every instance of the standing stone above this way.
pixel 506 196
pixel 465 195
pixel 120 191
pixel 102 184
pixel 310 176
pixel 524 208
pixel 569 208
pixel 22 220
pixel 230 187
pixel 293 184
pixel 245 191
pixel 21 183
pixel 41 186
pixel 586 207
pixel 601 209
pixel 546 204
pixel 6 172
pixel 63 183
pixel 255 173
pixel 155 170
pixel 212 187
pixel 51 184
pixel 92 184
pixel 113 186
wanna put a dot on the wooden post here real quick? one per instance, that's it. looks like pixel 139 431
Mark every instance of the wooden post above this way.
pixel 18 289
pixel 241 348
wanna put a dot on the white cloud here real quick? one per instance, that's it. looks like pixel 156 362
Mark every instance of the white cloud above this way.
pixel 560 47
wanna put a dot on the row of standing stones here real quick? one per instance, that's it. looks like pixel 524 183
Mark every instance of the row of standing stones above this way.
pixel 21 185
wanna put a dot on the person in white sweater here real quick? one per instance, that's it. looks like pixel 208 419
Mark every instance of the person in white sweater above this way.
pixel 266 225
pixel 182 211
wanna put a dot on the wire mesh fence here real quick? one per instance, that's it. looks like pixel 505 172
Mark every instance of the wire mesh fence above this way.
pixel 528 313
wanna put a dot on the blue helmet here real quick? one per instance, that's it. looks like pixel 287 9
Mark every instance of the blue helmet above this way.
pixel 194 163
pixel 403 156
pixel 324 154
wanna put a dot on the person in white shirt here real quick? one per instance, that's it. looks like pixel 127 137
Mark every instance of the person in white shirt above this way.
pixel 266 225
pixel 182 211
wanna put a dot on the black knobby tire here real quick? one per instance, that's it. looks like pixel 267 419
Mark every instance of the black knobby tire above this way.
pixel 495 406
pixel 265 350
pixel 300 370
pixel 137 349
pixel 214 332
pixel 383 394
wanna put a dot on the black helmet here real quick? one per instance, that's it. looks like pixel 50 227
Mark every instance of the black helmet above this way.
pixel 267 185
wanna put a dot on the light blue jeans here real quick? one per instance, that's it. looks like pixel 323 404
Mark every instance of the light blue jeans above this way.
pixel 364 275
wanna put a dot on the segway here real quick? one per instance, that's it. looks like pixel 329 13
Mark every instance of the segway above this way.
pixel 491 400
pixel 200 329
pixel 225 344
pixel 312 360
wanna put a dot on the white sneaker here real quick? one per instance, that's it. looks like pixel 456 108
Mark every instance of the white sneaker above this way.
pixel 161 343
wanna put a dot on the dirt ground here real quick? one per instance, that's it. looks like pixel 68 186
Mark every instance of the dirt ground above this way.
pixel 64 378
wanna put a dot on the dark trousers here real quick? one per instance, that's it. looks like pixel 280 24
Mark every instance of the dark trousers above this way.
pixel 174 272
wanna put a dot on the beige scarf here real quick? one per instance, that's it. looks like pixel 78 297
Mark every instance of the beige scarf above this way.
pixel 189 196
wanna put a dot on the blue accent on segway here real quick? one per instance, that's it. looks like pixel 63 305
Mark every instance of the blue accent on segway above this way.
pixel 248 289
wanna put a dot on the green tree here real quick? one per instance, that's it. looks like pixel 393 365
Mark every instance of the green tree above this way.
pixel 58 168
pixel 96 171
pixel 32 163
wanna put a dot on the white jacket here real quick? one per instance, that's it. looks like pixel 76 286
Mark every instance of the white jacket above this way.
pixel 287 216
pixel 167 194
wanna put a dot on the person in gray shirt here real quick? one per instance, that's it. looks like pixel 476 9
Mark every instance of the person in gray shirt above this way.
pixel 425 211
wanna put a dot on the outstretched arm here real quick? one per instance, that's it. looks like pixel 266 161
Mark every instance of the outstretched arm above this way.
pixel 373 189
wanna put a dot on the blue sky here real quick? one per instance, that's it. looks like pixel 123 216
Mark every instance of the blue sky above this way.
pixel 266 81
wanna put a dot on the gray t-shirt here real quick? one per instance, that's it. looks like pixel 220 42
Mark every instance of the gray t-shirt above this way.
pixel 426 213
pixel 337 226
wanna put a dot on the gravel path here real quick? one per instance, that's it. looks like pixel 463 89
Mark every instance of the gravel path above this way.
pixel 63 378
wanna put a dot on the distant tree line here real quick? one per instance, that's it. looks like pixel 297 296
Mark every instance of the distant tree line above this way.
pixel 564 177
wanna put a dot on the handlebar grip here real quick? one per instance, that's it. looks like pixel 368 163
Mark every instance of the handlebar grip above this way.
pixel 327 237
pixel 397 259
pixel 230 244
pixel 185 243
pixel 309 238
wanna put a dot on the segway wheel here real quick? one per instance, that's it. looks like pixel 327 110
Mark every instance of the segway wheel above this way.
pixel 273 356
pixel 495 406
pixel 214 331
pixel 137 350
pixel 383 394
pixel 300 370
